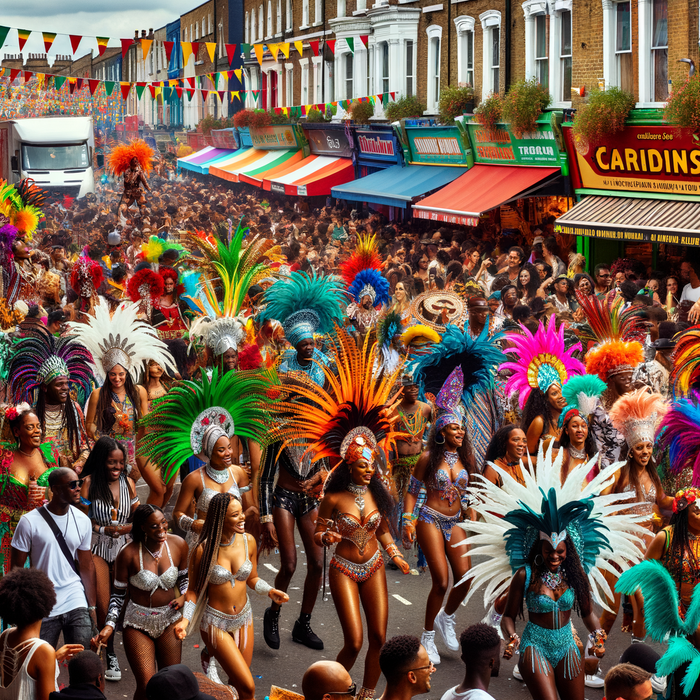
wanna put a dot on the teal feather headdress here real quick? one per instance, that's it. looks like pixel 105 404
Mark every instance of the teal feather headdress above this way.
pixel 581 393
pixel 389 326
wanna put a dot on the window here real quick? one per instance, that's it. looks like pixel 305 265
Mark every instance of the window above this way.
pixel 269 18
pixel 318 18
pixel 204 28
pixel 465 49
pixel 565 55
pixel 305 13
pixel 659 50
pixel 495 58
pixel 289 15
pixel 279 16
pixel 318 96
pixel 348 59
pixel 491 54
pixel 289 90
pixel 305 83
pixel 221 39
pixel 330 79
pixel 542 50
pixel 210 25
pixel 410 72
pixel 623 46
pixel 434 33
pixel 385 66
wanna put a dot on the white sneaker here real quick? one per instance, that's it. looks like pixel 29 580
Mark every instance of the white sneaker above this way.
pixel 595 680
pixel 658 683
pixel 427 639
pixel 516 673
pixel 113 672
pixel 445 624
pixel 493 619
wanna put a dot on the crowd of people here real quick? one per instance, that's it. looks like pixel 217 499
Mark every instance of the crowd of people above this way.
pixel 274 372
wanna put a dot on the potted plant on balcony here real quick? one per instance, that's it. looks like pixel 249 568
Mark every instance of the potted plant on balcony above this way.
pixel 523 103
pixel 260 119
pixel 489 111
pixel 243 118
pixel 361 112
pixel 406 107
pixel 683 106
pixel 604 115
pixel 455 101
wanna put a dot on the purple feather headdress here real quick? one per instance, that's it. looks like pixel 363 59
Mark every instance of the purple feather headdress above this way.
pixel 678 432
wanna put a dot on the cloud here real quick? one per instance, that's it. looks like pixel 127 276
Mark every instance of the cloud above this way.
pixel 44 10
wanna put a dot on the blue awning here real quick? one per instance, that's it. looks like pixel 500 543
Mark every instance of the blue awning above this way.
pixel 398 186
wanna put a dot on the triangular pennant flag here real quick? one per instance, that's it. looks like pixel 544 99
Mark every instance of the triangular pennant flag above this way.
pixel 385 99
pixel 126 43
pixel 284 48
pixel 235 94
pixel 205 94
pixel 221 94
pixel 189 95
pixel 75 40
pixel 230 53
pixel 244 95
pixel 314 46
pixel 14 72
pixel 71 84
pixel 168 46
pixel 274 50
pixel 22 36
pixel 255 94
pixel 186 52
pixel 190 82
pixel 27 76
pixel 109 86
pixel 40 79
pixel 80 82
pixel 330 43
pixel 125 88
pixel 351 44
pixel 239 74
pixel 146 47
pixel 211 49
pixel 299 46
pixel 140 87
pixel 102 42
pixel 259 49
pixel 4 31
pixel 178 91
pixel 48 38
pixel 245 48
pixel 195 49
pixel 364 38
pixel 393 95
pixel 166 93
pixel 152 90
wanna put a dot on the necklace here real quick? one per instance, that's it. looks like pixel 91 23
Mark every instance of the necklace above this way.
pixel 577 454
pixel 451 458
pixel 157 555
pixel 229 543
pixel 220 476
pixel 359 492
pixel 26 454
pixel 551 580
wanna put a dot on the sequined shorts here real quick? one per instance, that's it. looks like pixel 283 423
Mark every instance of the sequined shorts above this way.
pixel 550 647
pixel 444 523
pixel 296 502
pixel 152 621
pixel 224 622
pixel 359 573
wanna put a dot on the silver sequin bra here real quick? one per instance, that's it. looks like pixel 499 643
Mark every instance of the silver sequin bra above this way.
pixel 207 493
pixel 146 580
pixel 220 574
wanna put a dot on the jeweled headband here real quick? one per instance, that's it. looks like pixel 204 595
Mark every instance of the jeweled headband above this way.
pixel 301 326
pixel 359 443
pixel 51 369
pixel 210 425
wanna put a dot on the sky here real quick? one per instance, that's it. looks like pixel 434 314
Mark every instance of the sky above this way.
pixel 117 19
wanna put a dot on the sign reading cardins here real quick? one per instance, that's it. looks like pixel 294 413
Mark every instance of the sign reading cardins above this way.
pixel 500 145
pixel 271 138
pixel 329 142
pixel 436 145
pixel 658 159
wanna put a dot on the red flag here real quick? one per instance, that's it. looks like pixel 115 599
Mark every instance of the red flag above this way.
pixel 331 45
pixel 80 83
pixel 27 76
pixel 178 90
pixel 152 90
pixel 93 86
pixel 71 85
pixel 14 72
pixel 230 53
pixel 393 95
pixel 222 94
pixel 205 94
pixel 195 49
pixel 126 43
pixel 75 42
pixel 314 46
pixel 364 38
pixel 168 46
pixel 191 82
pixel 125 88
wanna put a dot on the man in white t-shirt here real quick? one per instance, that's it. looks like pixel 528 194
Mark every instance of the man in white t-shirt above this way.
pixel 74 612
pixel 689 274
pixel 406 667
pixel 481 653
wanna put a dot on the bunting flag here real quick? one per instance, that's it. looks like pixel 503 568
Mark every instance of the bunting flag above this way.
pixel 351 44
pixel 178 91
pixel 274 50
pixel 230 53
pixel 259 49
pixel 235 94
pixel 255 94
pixel 48 38
pixel 245 48
pixel 244 95
pixel 168 46
pixel 102 42
pixel 74 42
pixel 109 86
pixel 93 84
pixel 330 43
pixel 140 87
pixel 125 88
pixel 126 43
pixel 27 76
pixel 22 36
pixel 299 46
pixel 79 81
pixel 284 47
pixel 221 94
pixel 239 74
pixel 364 38
pixel 205 94
pixel 186 52
pixel 314 46
pixel 190 81
pixel 211 49
pixel 189 95
pixel 195 49
pixel 4 31
pixel 71 85
pixel 14 72
pixel 146 47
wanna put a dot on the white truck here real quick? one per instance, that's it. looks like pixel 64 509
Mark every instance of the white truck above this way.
pixel 55 152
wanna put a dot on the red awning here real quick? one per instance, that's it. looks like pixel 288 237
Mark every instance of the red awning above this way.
pixel 480 189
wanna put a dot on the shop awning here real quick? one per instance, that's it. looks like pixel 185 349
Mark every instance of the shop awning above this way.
pixel 197 156
pixel 218 157
pixel 314 176
pixel 281 164
pixel 398 186
pixel 634 219
pixel 480 189
pixel 244 157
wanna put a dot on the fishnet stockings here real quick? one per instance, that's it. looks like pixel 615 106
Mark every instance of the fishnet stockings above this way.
pixel 104 576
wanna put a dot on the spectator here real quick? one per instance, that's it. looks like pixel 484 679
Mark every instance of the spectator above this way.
pixel 481 654
pixel 176 682
pixel 514 261
pixel 646 658
pixel 54 321
pixel 406 667
pixel 52 537
pixel 550 254
pixel 602 277
pixel 562 299
pixel 326 680
pixel 85 677
pixel 628 682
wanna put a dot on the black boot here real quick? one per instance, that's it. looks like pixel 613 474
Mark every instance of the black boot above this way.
pixel 271 631
pixel 303 634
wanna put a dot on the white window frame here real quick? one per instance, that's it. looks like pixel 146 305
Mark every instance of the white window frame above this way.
pixel 305 19
pixel 269 20
pixel 251 34
pixel 289 85
pixel 279 18
pixel 412 74
pixel 556 71
pixel 348 59
pixel 318 82
pixel 490 20
pixel 384 73
pixel 210 25
pixel 645 10
pixel 318 13
pixel 304 93
pixel 261 22
pixel 465 29
pixel 434 33
pixel 289 19
pixel 204 27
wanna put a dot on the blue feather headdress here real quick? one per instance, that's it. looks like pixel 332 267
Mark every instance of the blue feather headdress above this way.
pixel 370 283
pixel 678 432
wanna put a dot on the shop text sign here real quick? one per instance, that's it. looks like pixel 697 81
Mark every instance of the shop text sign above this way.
pixel 436 145
pixel 620 234
pixel 329 142
pixel 380 147
pixel 501 146
pixel 658 159
pixel 271 138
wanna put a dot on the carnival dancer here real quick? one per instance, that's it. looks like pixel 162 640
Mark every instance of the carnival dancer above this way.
pixel 152 570
pixel 546 543
pixel 224 565
pixel 507 449
pixel 145 288
pixel 349 424
pixel 541 365
pixel 167 316
pixel 120 346
pixel 54 374
pixel 134 161
pixel 389 330
pixel 306 305
pixel 86 277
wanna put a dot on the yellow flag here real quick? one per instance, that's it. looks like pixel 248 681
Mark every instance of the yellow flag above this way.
pixel 299 46
pixel 274 50
pixel 285 49
pixel 259 48
pixel 186 51
pixel 146 47
pixel 158 91
pixel 211 49
pixel 236 94
pixel 238 73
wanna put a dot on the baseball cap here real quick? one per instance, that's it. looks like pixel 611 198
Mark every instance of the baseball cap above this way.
pixel 176 681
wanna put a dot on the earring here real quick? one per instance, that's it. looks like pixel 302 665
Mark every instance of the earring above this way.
pixel 541 560
pixel 440 442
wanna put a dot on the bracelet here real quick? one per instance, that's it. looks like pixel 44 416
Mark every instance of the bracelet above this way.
pixel 266 519
pixel 262 587
pixel 407 517
pixel 188 610
pixel 111 623
pixel 185 522
pixel 101 531
pixel 392 550
pixel 91 608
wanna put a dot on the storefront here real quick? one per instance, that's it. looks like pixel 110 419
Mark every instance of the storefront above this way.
pixel 376 148
pixel 638 192
pixel 226 145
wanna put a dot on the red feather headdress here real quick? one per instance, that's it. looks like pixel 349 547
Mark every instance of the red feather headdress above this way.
pixel 120 157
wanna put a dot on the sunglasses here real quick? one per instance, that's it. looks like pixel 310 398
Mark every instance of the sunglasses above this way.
pixel 352 690
pixel 75 484
pixel 422 668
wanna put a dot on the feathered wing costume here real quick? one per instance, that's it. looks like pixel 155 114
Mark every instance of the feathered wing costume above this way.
pixel 513 515
pixel 679 433
pixel 685 374
pixel 121 339
pixel 236 403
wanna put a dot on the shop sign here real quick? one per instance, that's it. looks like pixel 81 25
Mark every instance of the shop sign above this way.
pixel 436 146
pixel 329 142
pixel 225 138
pixel 271 138
pixel 660 159
pixel 628 234
pixel 301 190
pixel 445 217
pixel 277 187
pixel 377 146
pixel 501 146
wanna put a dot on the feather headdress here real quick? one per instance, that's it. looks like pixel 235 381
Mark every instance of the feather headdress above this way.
pixel 540 360
pixel 193 415
pixel 21 204
pixel 389 326
pixel 305 304
pixel 582 394
pixel 612 357
pixel 121 339
pixel 86 276
pixel 685 374
pixel 224 334
pixel 607 321
pixel 678 433
pixel 362 273
pixel 147 287
pixel 513 515
pixel 636 414
pixel 119 160
pixel 419 336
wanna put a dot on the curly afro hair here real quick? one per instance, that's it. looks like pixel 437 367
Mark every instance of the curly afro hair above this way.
pixel 26 595
pixel 478 641
pixel 397 655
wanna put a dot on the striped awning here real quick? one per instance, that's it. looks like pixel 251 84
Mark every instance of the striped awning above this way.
pixel 633 219
pixel 283 161
pixel 253 162
pixel 217 157
pixel 312 177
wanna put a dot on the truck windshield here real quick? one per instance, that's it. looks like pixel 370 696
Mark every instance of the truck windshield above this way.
pixel 55 157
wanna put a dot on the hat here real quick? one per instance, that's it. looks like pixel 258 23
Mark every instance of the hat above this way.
pixel 664 344
pixel 176 681
pixel 114 238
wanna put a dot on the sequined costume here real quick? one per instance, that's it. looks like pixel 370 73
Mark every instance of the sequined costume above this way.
pixel 56 432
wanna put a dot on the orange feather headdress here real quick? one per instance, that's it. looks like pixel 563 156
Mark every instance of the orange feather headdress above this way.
pixel 120 157
pixel 612 357
pixel 637 414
